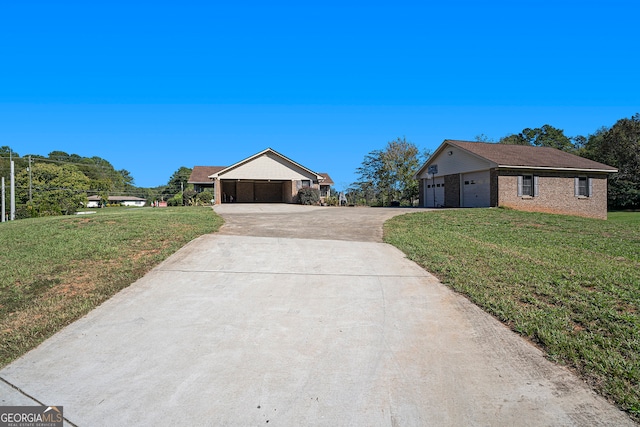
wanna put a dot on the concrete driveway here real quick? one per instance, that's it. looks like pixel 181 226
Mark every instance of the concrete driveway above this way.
pixel 295 316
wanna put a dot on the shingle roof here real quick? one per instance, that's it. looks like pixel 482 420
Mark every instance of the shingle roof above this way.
pixel 506 155
pixel 327 178
pixel 200 174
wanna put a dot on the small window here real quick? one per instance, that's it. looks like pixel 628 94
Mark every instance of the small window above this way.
pixel 527 186
pixel 583 190
pixel 583 186
pixel 306 183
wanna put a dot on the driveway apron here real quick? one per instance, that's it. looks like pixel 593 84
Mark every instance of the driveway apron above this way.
pixel 293 316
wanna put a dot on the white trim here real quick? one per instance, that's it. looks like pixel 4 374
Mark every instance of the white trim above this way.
pixel 558 169
pixel 263 152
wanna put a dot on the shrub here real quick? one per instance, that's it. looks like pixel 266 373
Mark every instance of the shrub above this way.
pixel 204 198
pixel 308 196
pixel 332 201
pixel 175 200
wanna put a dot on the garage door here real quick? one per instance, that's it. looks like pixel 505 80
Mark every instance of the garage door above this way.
pixel 268 192
pixel 434 192
pixel 476 190
pixel 244 192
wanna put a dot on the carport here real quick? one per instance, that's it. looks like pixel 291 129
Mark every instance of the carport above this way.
pixel 266 177
pixel 256 191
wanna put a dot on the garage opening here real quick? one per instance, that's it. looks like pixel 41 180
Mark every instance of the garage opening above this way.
pixel 241 191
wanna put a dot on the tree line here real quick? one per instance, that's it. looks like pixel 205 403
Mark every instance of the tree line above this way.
pixel 60 183
pixel 386 175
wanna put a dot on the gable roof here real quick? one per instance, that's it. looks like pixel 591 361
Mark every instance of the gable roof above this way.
pixel 200 174
pixel 262 153
pixel 327 179
pixel 523 157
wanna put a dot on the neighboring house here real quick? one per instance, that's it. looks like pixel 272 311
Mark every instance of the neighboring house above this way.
pixel 95 201
pixel 325 186
pixel 200 177
pixel 540 179
pixel 265 177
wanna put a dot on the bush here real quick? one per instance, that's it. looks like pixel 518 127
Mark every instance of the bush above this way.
pixel 308 196
pixel 332 201
pixel 175 200
pixel 204 198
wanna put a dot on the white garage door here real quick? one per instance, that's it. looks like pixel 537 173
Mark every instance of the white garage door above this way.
pixel 476 190
pixel 434 192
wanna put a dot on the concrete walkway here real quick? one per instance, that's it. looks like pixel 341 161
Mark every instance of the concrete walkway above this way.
pixel 297 316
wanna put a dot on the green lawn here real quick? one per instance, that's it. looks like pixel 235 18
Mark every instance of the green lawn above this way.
pixel 54 270
pixel 572 285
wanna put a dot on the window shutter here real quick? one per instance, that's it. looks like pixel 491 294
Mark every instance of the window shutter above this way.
pixel 535 186
pixel 590 183
pixel 576 186
pixel 519 185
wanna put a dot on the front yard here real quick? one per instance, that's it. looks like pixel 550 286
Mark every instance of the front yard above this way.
pixel 571 285
pixel 54 270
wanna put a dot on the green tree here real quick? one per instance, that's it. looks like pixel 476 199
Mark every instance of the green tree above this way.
pixel 387 175
pixel 619 147
pixel 178 182
pixel 513 139
pixel 545 136
pixel 57 189
pixel 548 136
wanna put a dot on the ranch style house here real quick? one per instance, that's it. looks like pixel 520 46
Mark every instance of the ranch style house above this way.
pixel 540 179
pixel 265 177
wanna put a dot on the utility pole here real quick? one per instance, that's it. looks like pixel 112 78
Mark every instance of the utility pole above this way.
pixel 29 178
pixel 13 193
pixel 3 202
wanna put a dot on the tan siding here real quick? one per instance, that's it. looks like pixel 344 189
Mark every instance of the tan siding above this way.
pixel 458 162
pixel 268 167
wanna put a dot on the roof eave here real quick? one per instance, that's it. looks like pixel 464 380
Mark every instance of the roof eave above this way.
pixel 255 156
pixel 558 169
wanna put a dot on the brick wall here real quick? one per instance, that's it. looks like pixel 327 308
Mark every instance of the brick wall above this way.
pixel 556 194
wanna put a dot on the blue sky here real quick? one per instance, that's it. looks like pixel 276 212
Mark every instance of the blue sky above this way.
pixel 152 86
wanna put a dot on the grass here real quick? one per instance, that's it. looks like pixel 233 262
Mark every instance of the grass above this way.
pixel 54 270
pixel 571 285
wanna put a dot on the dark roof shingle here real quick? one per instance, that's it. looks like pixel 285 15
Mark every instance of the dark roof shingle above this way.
pixel 200 174
pixel 327 178
pixel 529 156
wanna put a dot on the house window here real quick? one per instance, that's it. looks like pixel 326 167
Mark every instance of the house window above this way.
pixel 527 186
pixel 306 183
pixel 583 186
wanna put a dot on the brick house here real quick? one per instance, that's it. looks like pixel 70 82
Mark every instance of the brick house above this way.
pixel 539 179
pixel 265 177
